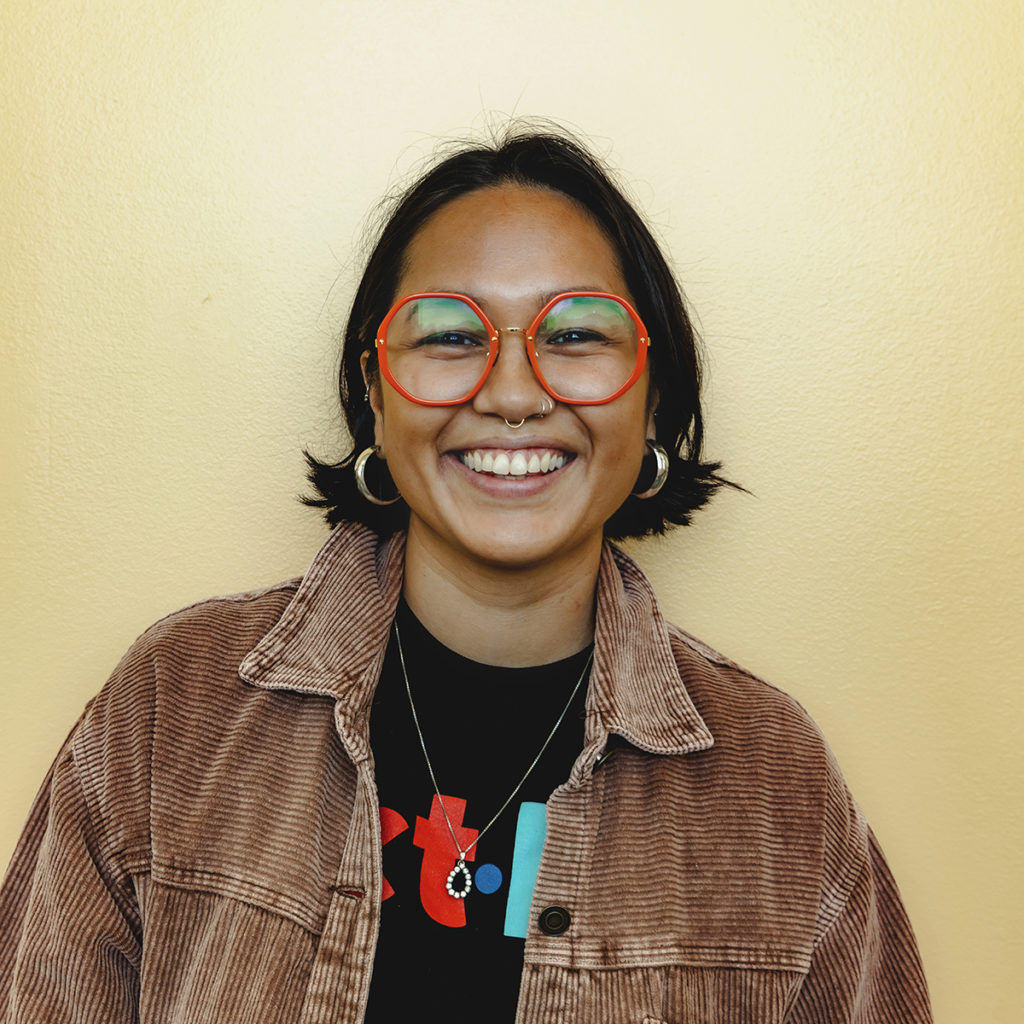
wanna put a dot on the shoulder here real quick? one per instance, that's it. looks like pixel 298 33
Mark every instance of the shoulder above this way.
pixel 767 753
pixel 766 743
pixel 175 688
pixel 740 706
pixel 214 627
pixel 183 660
pixel 198 646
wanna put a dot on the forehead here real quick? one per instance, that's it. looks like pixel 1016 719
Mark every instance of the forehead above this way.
pixel 510 242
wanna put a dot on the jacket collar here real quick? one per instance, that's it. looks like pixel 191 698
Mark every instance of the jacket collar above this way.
pixel 332 636
pixel 637 689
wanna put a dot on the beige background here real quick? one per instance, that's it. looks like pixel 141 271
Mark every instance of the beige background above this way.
pixel 184 189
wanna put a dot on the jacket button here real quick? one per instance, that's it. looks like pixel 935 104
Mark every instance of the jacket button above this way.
pixel 554 920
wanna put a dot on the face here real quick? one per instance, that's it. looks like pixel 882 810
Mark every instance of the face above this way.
pixel 510 249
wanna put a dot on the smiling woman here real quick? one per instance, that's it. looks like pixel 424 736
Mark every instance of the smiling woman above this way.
pixel 465 763
pixel 510 247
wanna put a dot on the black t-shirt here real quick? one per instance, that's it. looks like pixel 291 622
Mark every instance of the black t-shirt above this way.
pixel 441 958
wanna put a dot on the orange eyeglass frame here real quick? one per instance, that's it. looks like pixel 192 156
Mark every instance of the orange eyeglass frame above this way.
pixel 494 334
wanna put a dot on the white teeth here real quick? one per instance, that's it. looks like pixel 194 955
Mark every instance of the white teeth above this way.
pixel 518 464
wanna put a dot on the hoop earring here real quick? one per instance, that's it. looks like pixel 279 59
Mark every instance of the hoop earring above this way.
pixel 660 471
pixel 360 473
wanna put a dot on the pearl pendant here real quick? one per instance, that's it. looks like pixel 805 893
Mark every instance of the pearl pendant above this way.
pixel 466 880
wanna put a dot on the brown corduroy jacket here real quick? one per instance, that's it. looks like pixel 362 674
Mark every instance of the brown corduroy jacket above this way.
pixel 207 847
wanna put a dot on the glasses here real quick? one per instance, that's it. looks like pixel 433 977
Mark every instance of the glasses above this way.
pixel 586 348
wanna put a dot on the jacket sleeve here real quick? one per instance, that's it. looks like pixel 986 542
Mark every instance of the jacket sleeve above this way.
pixel 865 967
pixel 70 935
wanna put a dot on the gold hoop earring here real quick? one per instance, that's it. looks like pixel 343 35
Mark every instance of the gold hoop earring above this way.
pixel 660 471
pixel 360 473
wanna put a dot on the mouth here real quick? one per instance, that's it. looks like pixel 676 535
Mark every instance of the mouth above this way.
pixel 520 462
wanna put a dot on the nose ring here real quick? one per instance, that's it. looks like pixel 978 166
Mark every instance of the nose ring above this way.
pixel 546 406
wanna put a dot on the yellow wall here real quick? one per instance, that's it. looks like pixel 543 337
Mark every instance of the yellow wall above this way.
pixel 184 183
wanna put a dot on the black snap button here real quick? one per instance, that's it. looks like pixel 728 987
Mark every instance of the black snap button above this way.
pixel 554 920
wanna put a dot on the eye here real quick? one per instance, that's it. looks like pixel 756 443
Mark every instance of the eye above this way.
pixel 574 336
pixel 449 346
pixel 578 338
pixel 454 339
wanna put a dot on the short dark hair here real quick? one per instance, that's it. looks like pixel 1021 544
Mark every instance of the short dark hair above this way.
pixel 556 161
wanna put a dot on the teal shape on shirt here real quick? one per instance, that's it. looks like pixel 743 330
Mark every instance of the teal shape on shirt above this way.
pixel 530 828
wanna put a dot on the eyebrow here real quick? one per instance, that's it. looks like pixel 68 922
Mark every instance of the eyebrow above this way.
pixel 542 300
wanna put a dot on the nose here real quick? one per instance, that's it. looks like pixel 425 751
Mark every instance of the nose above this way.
pixel 511 389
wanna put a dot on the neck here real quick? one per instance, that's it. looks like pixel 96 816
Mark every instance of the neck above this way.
pixel 497 616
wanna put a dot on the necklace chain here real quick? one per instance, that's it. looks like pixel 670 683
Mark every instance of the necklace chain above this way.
pixel 460 864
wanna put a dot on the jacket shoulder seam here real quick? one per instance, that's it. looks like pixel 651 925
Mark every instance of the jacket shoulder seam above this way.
pixel 241 597
pixel 720 661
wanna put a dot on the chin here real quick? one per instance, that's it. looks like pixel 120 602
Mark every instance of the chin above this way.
pixel 528 549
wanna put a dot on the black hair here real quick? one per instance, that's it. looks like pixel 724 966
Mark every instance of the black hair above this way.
pixel 549 160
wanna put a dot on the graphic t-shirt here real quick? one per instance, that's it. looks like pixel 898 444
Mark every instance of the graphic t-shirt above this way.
pixel 441 958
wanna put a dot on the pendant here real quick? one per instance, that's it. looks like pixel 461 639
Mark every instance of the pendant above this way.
pixel 467 882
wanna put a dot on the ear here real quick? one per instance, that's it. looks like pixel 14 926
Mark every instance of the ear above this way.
pixel 373 396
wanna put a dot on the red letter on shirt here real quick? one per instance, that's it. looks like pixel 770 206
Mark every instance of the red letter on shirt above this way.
pixel 439 856
pixel 391 824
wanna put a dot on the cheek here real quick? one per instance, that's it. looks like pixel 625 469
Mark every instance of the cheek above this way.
pixel 407 434
pixel 622 447
pixel 641 422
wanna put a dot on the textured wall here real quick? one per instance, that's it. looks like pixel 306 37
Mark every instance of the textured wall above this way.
pixel 185 185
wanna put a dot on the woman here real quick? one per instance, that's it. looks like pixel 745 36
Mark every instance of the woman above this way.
pixel 465 763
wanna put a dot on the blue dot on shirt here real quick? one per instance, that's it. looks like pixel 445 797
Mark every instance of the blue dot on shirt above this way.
pixel 488 878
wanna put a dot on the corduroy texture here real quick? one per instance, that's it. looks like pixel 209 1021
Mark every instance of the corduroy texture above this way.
pixel 207 846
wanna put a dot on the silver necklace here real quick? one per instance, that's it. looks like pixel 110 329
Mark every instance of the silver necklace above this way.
pixel 466 882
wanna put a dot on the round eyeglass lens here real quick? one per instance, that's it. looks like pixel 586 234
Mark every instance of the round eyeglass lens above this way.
pixel 587 347
pixel 437 348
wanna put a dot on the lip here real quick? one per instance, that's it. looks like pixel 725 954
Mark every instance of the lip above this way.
pixel 510 444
